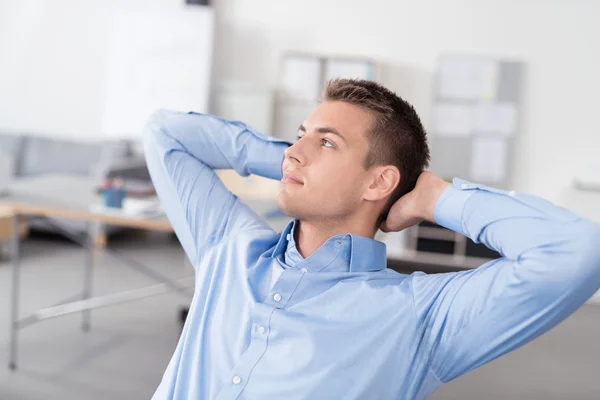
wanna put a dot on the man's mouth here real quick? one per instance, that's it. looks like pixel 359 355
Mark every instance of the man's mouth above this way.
pixel 292 179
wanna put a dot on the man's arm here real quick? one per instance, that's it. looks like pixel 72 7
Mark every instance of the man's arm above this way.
pixel 182 152
pixel 550 267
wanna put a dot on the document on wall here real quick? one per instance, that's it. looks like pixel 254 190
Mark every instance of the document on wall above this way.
pixel 496 118
pixel 488 159
pixel 466 78
pixel 301 78
pixel 351 69
pixel 453 120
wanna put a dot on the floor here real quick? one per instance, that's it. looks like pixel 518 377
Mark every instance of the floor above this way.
pixel 125 353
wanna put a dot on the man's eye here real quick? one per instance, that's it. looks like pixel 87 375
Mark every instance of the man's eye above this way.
pixel 298 137
pixel 327 143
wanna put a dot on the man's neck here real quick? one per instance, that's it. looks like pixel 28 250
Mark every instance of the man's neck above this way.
pixel 310 236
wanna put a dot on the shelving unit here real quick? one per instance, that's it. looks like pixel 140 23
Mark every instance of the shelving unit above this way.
pixel 475 118
pixel 301 78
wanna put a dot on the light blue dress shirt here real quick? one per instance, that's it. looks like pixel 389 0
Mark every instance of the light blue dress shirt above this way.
pixel 266 323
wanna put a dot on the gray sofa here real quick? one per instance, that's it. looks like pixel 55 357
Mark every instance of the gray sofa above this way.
pixel 35 155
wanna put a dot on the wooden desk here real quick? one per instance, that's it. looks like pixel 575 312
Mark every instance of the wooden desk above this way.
pixel 69 197
pixel 6 228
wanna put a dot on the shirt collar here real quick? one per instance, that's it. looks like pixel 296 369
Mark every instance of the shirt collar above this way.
pixel 365 254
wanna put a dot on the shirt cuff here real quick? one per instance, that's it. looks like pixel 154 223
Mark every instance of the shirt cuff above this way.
pixel 265 155
pixel 448 210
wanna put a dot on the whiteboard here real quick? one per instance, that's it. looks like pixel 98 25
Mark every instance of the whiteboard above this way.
pixel 157 59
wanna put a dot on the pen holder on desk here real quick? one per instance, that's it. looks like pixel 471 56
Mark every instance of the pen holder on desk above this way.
pixel 113 197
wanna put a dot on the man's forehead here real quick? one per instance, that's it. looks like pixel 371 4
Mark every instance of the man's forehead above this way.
pixel 346 118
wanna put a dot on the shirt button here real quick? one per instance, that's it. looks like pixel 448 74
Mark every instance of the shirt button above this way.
pixel 304 270
pixel 288 237
pixel 236 380
pixel 277 297
pixel 261 329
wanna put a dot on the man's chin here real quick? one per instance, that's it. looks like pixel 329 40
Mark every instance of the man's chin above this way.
pixel 287 207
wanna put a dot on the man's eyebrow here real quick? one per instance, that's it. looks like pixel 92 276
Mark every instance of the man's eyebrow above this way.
pixel 324 129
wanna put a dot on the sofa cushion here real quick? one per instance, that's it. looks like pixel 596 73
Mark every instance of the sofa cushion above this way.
pixel 114 152
pixel 13 146
pixel 48 155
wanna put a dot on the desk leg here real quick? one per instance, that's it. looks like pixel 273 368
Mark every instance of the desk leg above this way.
pixel 87 274
pixel 15 293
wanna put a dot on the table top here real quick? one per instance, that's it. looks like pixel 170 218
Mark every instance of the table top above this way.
pixel 71 196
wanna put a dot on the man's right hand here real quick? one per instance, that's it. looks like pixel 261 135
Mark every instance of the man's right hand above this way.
pixel 417 205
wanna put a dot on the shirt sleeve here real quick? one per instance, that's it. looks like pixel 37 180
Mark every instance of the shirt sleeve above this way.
pixel 183 150
pixel 550 266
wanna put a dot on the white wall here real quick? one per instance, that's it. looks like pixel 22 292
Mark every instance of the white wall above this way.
pixel 51 60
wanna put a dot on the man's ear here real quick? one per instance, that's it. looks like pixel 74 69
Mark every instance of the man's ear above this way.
pixel 384 179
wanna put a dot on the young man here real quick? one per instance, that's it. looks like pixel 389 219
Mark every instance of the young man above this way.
pixel 312 312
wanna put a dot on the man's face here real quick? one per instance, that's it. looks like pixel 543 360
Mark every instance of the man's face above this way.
pixel 324 175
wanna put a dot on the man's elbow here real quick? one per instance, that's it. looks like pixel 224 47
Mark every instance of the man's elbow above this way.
pixel 587 248
pixel 156 124
pixel 580 261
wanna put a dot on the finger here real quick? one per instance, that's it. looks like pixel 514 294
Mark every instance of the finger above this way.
pixel 384 227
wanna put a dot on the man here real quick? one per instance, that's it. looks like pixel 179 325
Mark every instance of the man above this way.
pixel 312 312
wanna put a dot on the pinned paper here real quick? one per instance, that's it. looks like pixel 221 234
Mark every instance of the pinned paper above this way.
pixel 496 118
pixel 351 69
pixel 468 78
pixel 488 161
pixel 301 78
pixel 453 120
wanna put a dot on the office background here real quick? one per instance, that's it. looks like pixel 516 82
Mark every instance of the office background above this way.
pixel 54 55
pixel 54 82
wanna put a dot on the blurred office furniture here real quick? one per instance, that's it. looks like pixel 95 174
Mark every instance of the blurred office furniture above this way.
pixel 6 170
pixel 435 245
pixel 428 245
pixel 43 198
pixel 157 59
pixel 197 2
pixel 301 78
pixel 33 156
pixel 6 217
pixel 51 197
pixel 475 119
pixel 6 231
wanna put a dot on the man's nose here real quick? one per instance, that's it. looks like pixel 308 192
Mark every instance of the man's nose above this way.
pixel 296 154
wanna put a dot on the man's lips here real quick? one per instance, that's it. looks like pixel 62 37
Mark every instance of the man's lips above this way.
pixel 291 178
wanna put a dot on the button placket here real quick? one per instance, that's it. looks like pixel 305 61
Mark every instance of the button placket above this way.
pixel 284 287
pixel 261 315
